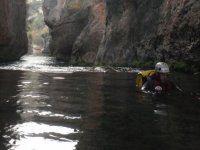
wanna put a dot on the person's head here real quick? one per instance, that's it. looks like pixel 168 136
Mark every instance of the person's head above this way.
pixel 162 69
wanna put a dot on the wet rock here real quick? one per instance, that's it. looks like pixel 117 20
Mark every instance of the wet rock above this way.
pixel 13 39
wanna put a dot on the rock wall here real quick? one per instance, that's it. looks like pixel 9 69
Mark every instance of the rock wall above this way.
pixel 120 32
pixel 76 27
pixel 179 32
pixel 87 43
pixel 13 39
pixel 116 45
pixel 151 30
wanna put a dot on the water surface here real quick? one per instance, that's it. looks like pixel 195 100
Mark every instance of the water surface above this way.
pixel 47 105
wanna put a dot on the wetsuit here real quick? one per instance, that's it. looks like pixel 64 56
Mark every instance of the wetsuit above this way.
pixel 154 81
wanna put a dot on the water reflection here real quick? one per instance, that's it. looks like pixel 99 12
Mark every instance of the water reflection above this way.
pixel 38 136
pixel 9 106
pixel 48 64
pixel 44 124
pixel 36 63
pixel 93 111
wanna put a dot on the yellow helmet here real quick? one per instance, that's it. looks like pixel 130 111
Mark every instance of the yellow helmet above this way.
pixel 162 67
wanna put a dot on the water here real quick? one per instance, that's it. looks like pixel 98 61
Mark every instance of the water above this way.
pixel 45 105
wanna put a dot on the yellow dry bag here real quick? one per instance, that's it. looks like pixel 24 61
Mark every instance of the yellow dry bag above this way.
pixel 142 77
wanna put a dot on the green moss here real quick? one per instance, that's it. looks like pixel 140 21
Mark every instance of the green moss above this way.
pixel 145 65
pixel 137 63
pixel 180 66
pixel 174 66
pixel 149 64
pixel 82 63
pixel 184 67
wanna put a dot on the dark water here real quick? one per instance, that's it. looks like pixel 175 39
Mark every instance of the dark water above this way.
pixel 46 106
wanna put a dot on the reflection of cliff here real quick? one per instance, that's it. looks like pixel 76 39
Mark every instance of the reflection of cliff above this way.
pixel 8 106
pixel 13 39
pixel 119 32
pixel 8 90
pixel 113 119
pixel 92 117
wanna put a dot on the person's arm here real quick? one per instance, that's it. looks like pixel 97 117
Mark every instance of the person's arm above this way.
pixel 148 85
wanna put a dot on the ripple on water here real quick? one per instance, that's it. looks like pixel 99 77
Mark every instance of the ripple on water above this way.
pixel 50 114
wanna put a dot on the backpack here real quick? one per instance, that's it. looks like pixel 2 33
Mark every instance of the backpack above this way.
pixel 142 77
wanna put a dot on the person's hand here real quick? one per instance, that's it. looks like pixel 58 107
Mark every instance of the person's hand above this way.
pixel 158 88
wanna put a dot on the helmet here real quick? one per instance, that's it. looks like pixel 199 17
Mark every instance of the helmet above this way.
pixel 162 67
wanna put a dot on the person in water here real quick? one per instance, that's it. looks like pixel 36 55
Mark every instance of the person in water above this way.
pixel 159 81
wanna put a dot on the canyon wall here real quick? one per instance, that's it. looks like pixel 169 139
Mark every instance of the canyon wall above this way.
pixel 145 30
pixel 13 38
pixel 120 32
pixel 76 28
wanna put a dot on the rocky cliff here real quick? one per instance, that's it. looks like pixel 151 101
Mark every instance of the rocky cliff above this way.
pixel 151 30
pixel 120 32
pixel 76 28
pixel 13 39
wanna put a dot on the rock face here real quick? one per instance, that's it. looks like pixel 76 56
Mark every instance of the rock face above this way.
pixel 13 39
pixel 151 30
pixel 117 45
pixel 179 32
pixel 119 32
pixel 87 43
pixel 76 27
